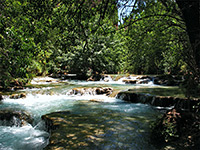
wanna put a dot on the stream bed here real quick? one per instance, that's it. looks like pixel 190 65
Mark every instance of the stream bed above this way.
pixel 116 124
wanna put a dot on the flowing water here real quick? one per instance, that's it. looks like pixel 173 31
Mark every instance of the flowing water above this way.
pixel 124 125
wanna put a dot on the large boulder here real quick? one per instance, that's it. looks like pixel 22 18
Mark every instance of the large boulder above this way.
pixel 14 118
pixel 104 90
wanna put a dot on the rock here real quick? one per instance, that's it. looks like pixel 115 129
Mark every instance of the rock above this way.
pixel 18 88
pixel 128 96
pixel 17 96
pixel 91 91
pixel 114 93
pixel 97 100
pixel 14 118
pixel 163 101
pixel 22 95
pixel 145 81
pixel 143 77
pixel 1 97
pixel 190 105
pixel 90 79
pixel 184 104
pixel 129 81
pixel 105 90
pixel 77 91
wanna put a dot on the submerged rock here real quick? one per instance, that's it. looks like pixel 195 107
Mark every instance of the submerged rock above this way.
pixel 97 100
pixel 14 118
pixel 75 131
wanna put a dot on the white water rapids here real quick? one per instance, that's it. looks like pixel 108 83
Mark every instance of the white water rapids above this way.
pixel 34 137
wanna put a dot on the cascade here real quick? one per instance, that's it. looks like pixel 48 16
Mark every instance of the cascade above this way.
pixel 104 122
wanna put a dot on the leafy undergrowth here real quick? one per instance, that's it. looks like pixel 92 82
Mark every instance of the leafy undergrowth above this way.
pixel 178 128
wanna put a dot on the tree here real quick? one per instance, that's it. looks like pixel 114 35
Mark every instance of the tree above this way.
pixel 191 14
pixel 187 16
pixel 154 40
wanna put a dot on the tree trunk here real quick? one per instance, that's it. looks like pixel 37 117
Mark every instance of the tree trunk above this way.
pixel 191 14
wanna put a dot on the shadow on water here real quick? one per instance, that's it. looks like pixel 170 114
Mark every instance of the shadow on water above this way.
pixel 105 126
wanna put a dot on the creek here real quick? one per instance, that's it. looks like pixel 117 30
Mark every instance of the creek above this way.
pixel 125 125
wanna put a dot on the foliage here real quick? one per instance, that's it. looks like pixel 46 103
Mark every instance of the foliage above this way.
pixel 38 38
pixel 153 42
pixel 178 128
pixel 83 37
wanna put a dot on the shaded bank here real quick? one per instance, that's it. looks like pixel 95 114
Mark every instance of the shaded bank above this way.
pixel 179 127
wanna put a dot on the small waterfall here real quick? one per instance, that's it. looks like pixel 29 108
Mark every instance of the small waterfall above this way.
pixel 106 78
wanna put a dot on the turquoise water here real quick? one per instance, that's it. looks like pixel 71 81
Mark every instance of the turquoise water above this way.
pixel 126 125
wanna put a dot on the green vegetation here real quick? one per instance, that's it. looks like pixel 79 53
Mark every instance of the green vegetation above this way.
pixel 83 37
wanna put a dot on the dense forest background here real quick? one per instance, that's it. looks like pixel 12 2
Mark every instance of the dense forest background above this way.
pixel 90 37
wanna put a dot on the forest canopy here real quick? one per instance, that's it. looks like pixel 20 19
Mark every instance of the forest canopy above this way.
pixel 90 37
